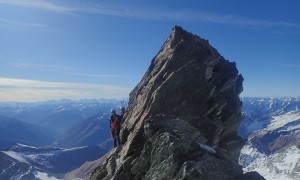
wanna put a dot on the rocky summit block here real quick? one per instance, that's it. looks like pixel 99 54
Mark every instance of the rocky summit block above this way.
pixel 182 117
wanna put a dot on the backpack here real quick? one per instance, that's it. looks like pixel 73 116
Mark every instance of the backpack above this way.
pixel 115 124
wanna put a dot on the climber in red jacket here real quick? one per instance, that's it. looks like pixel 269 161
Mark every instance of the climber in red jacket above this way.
pixel 115 126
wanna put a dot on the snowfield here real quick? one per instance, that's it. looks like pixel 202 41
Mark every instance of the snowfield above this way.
pixel 279 166
pixel 44 176
pixel 272 149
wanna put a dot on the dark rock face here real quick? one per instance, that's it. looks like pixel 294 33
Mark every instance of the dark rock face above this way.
pixel 182 117
pixel 253 175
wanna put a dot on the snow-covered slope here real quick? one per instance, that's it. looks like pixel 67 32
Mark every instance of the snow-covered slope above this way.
pixel 11 168
pixel 272 126
pixel 278 166
pixel 53 161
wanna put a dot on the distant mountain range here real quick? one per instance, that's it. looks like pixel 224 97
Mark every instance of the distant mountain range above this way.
pixel 57 115
pixel 62 123
pixel 258 112
pixel 272 126
pixel 91 131
pixel 14 131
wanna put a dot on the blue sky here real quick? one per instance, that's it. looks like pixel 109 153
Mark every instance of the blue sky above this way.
pixel 101 49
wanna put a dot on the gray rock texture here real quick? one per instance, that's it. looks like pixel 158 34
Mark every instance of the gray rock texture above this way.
pixel 182 117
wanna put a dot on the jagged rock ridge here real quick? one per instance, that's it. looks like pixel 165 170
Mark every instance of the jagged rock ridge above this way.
pixel 182 117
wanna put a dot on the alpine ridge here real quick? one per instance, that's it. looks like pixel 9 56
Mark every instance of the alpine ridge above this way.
pixel 182 117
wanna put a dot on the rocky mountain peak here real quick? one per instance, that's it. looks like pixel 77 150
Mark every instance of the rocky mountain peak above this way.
pixel 182 117
pixel 178 34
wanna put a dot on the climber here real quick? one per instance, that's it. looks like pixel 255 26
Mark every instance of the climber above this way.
pixel 123 111
pixel 115 126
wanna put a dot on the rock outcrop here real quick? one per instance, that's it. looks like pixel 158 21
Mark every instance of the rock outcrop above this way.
pixel 182 117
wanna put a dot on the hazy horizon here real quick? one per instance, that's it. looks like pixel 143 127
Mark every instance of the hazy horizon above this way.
pixel 124 99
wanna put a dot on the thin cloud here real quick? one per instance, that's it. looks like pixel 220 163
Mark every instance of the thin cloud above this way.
pixel 149 14
pixel 71 70
pixel 263 23
pixel 165 15
pixel 33 95
pixel 287 65
pixel 95 75
pixel 41 66
pixel 34 90
pixel 37 4
pixel 8 22
pixel 11 82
